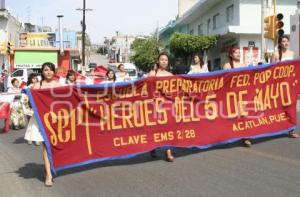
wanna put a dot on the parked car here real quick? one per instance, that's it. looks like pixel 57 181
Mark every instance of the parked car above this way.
pixel 129 67
pixel 22 75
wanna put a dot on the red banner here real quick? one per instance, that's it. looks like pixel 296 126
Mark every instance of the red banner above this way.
pixel 85 124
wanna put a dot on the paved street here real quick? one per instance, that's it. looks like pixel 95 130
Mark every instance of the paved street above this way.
pixel 270 168
pixel 98 59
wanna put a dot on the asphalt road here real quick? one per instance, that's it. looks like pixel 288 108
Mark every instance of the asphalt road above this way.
pixel 270 168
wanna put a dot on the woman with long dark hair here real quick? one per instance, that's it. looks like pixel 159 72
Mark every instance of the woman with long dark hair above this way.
pixel 71 78
pixel 48 71
pixel 160 71
pixel 283 53
pixel 234 57
pixel 110 76
pixel 234 62
pixel 32 79
pixel 198 66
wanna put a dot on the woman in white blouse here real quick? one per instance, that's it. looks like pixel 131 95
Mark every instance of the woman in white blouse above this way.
pixel 198 66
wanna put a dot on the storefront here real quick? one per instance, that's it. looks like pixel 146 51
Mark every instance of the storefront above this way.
pixel 33 59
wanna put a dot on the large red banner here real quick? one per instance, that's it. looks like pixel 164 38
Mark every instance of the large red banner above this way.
pixel 85 124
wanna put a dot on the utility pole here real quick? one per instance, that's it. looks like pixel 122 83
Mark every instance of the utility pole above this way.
pixel 263 40
pixel 83 34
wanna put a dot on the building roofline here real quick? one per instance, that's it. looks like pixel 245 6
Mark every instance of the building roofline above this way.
pixel 199 7
pixel 42 49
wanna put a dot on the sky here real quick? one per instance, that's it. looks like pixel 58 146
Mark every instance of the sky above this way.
pixel 130 17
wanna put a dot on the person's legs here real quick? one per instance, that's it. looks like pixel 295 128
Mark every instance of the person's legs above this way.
pixel 169 156
pixel 48 174
pixel 293 134
pixel 247 143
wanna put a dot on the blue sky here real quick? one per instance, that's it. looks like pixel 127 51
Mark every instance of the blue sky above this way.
pixel 127 16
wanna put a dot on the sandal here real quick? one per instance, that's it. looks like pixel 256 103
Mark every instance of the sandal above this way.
pixel 169 156
pixel 247 143
pixel 293 134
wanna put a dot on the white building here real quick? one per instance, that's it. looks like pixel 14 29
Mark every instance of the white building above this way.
pixel 120 47
pixel 10 29
pixel 238 22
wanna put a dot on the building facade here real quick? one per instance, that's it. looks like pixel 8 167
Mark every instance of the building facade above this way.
pixel 119 47
pixel 237 22
pixel 10 29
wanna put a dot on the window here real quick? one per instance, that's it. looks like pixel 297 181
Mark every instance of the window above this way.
pixel 216 21
pixel 208 26
pixel 229 13
pixel 192 32
pixel 18 73
pixel 200 29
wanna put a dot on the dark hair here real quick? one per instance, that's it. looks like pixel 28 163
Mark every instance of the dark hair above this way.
pixel 154 66
pixel 110 70
pixel 230 52
pixel 179 60
pixel 70 73
pixel 49 65
pixel 120 66
pixel 30 77
pixel 162 54
pixel 201 59
pixel 279 45
pixel 14 80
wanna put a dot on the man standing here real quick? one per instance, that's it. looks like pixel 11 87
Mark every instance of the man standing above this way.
pixel 4 78
pixel 1 83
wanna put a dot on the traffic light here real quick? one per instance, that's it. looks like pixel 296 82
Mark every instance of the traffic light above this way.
pixel 8 48
pixel 269 27
pixel 278 31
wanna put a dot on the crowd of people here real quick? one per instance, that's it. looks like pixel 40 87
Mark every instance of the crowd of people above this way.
pixel 22 112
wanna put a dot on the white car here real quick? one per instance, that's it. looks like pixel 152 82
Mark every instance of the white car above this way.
pixel 129 67
pixel 22 75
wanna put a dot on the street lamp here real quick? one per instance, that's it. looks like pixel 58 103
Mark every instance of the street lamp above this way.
pixel 61 41
pixel 83 33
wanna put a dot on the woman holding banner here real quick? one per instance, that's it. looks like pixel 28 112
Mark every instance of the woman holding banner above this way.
pixel 234 57
pixel 71 78
pixel 198 66
pixel 110 76
pixel 48 70
pixel 161 71
pixel 284 54
pixel 122 75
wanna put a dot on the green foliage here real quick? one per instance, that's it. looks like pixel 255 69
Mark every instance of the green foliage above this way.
pixel 184 45
pixel 145 53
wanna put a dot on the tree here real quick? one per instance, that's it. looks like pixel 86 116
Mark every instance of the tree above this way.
pixel 185 45
pixel 145 52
